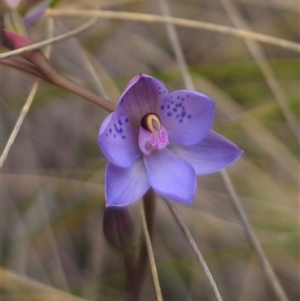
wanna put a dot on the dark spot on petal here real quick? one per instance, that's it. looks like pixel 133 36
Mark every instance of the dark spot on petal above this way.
pixel 168 107
pixel 124 137
pixel 110 130
pixel 189 116
pixel 118 130
pixel 177 116
pixel 169 114
pixel 183 114
pixel 162 107
pixel 114 136
pixel 120 122
pixel 188 95
pixel 126 120
pixel 180 120
pixel 174 110
pixel 172 102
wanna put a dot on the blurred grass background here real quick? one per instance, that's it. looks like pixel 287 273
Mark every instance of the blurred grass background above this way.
pixel 52 180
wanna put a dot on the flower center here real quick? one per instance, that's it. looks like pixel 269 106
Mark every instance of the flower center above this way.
pixel 151 122
pixel 158 134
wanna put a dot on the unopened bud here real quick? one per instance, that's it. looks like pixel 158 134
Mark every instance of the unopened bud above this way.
pixel 118 227
pixel 15 41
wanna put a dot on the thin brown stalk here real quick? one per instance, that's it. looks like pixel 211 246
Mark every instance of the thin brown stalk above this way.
pixel 62 81
pixel 58 79
pixel 149 204
pixel 151 255
pixel 28 68
pixel 53 76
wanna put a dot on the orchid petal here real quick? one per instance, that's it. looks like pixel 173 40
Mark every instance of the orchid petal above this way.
pixel 123 186
pixel 118 140
pixel 143 94
pixel 213 153
pixel 187 116
pixel 170 176
pixel 36 11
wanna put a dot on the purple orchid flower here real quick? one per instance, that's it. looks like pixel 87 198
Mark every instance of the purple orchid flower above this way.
pixel 160 140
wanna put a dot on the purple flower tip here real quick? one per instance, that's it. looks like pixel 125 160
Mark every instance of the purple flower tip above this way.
pixel 161 140
pixel 37 10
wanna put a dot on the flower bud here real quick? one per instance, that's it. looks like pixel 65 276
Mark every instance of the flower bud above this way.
pixel 13 40
pixel 118 227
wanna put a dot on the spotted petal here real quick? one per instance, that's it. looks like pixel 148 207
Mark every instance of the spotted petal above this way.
pixel 118 140
pixel 213 153
pixel 142 95
pixel 187 116
pixel 123 186
pixel 171 176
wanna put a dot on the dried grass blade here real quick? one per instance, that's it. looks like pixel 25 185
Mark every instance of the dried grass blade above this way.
pixel 14 283
pixel 26 106
pixel 271 277
pixel 259 56
pixel 50 41
pixel 196 251
pixel 149 18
